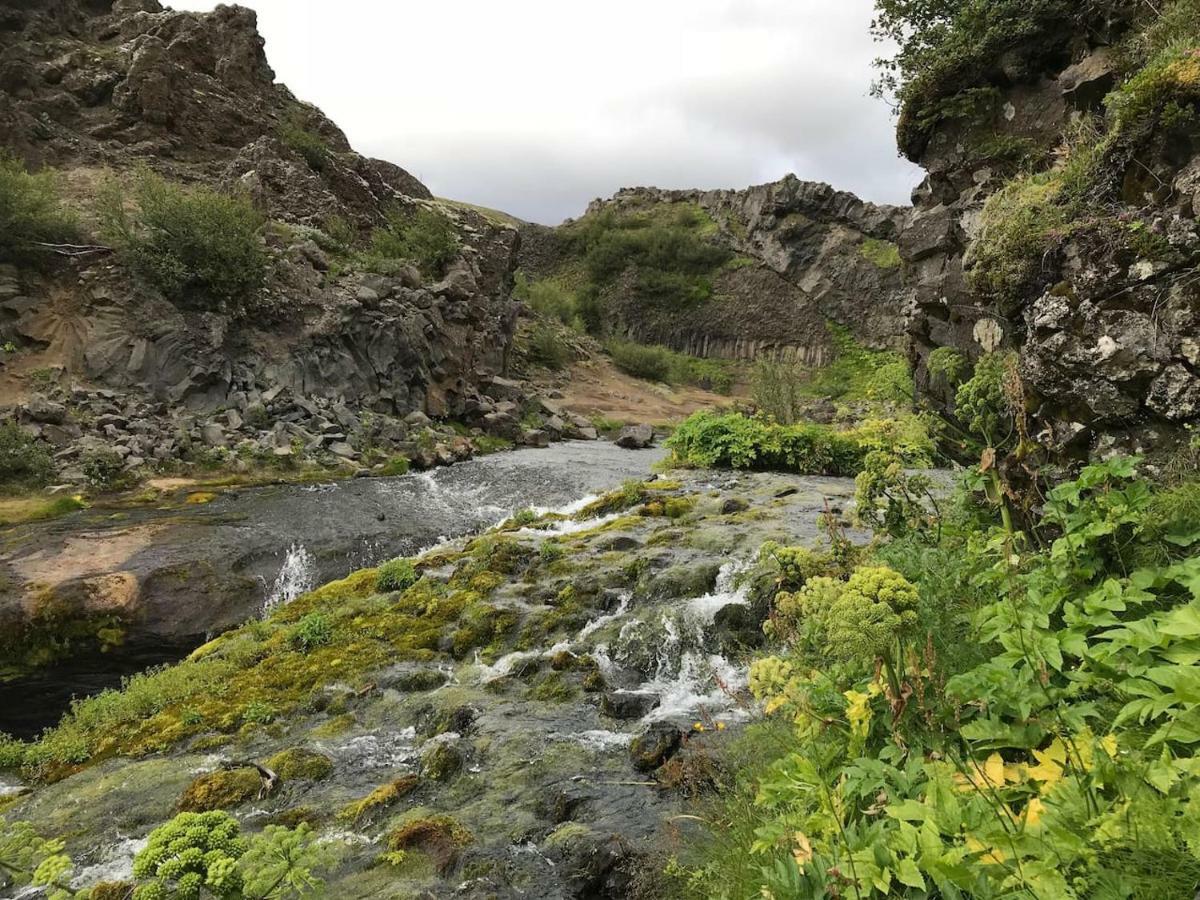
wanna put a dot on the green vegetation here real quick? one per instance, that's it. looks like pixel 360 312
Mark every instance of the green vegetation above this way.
pixel 24 463
pixel 545 347
pixel 991 712
pixel 300 763
pixel 733 440
pixel 312 631
pixel 396 575
pixel 667 252
pixel 549 299
pixel 947 51
pixel 655 363
pixel 220 790
pixel 31 212
pixel 104 470
pixel 379 800
pixel 200 247
pixel 205 852
pixel 884 254
pixel 296 136
pixel 424 237
pixel 878 378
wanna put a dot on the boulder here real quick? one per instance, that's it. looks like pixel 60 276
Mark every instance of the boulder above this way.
pixel 628 704
pixel 654 746
pixel 635 437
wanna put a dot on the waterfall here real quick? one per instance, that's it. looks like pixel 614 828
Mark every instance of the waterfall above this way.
pixel 297 576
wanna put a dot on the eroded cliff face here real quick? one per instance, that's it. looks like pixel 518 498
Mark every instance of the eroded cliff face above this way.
pixel 1064 227
pixel 97 87
pixel 801 255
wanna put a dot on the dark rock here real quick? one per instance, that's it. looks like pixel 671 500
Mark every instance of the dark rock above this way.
pixel 734 505
pixel 654 746
pixel 42 409
pixel 735 628
pixel 635 437
pixel 628 704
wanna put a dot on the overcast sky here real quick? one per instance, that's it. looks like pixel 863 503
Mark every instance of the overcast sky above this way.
pixel 537 106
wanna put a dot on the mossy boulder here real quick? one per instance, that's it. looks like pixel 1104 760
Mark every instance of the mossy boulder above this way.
pixel 442 761
pixel 440 837
pixel 220 790
pixel 299 763
pixel 683 581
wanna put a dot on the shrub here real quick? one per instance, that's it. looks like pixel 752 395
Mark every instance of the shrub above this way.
pixel 24 462
pixel 640 361
pixel 423 236
pixel 296 136
pixel 396 575
pixel 549 299
pixel 104 470
pixel 732 440
pixel 200 247
pixel 31 212
pixel 779 389
pixel 668 250
pixel 547 348
pixel 655 363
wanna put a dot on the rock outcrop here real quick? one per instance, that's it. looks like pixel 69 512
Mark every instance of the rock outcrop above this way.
pixel 1102 307
pixel 804 255
pixel 87 87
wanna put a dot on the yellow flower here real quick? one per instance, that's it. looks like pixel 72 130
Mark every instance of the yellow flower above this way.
pixel 697 726
pixel 720 726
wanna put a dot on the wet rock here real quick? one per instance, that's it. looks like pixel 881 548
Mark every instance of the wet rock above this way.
pixel 654 746
pixel 442 761
pixel 732 505
pixel 735 628
pixel 684 581
pixel 628 704
pixel 635 437
pixel 599 865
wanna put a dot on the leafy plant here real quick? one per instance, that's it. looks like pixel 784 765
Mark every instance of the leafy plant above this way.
pixel 27 858
pixel 311 631
pixel 199 853
pixel 297 137
pixel 24 462
pixel 396 575
pixel 425 237
pixel 104 470
pixel 200 247
pixel 31 212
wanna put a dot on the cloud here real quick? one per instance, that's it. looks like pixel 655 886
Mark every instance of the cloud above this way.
pixel 537 106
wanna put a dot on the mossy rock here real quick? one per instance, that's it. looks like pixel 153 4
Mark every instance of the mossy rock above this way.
pixel 297 815
pixel 111 890
pixel 441 762
pixel 220 790
pixel 553 687
pixel 383 797
pixel 440 837
pixel 683 581
pixel 298 763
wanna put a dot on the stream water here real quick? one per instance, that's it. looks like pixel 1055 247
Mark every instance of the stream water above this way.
pixel 256 548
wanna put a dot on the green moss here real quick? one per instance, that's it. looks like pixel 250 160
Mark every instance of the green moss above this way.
pixel 396 575
pixel 300 763
pixel 337 725
pixel 883 254
pixel 553 687
pixel 440 837
pixel 220 790
pixel 441 762
pixel 380 799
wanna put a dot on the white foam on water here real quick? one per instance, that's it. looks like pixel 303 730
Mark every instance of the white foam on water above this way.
pixel 598 739
pixel 115 864
pixel 297 575
pixel 725 592
pixel 601 621
pixel 504 665
pixel 379 751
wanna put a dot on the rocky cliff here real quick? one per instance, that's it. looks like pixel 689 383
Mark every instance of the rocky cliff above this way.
pixel 798 255
pixel 1059 220
pixel 90 88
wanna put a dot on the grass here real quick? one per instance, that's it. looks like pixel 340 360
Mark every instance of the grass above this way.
pixel 883 254
pixel 19 510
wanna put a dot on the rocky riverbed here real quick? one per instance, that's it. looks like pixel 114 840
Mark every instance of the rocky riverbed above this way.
pixel 525 720
pixel 149 583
